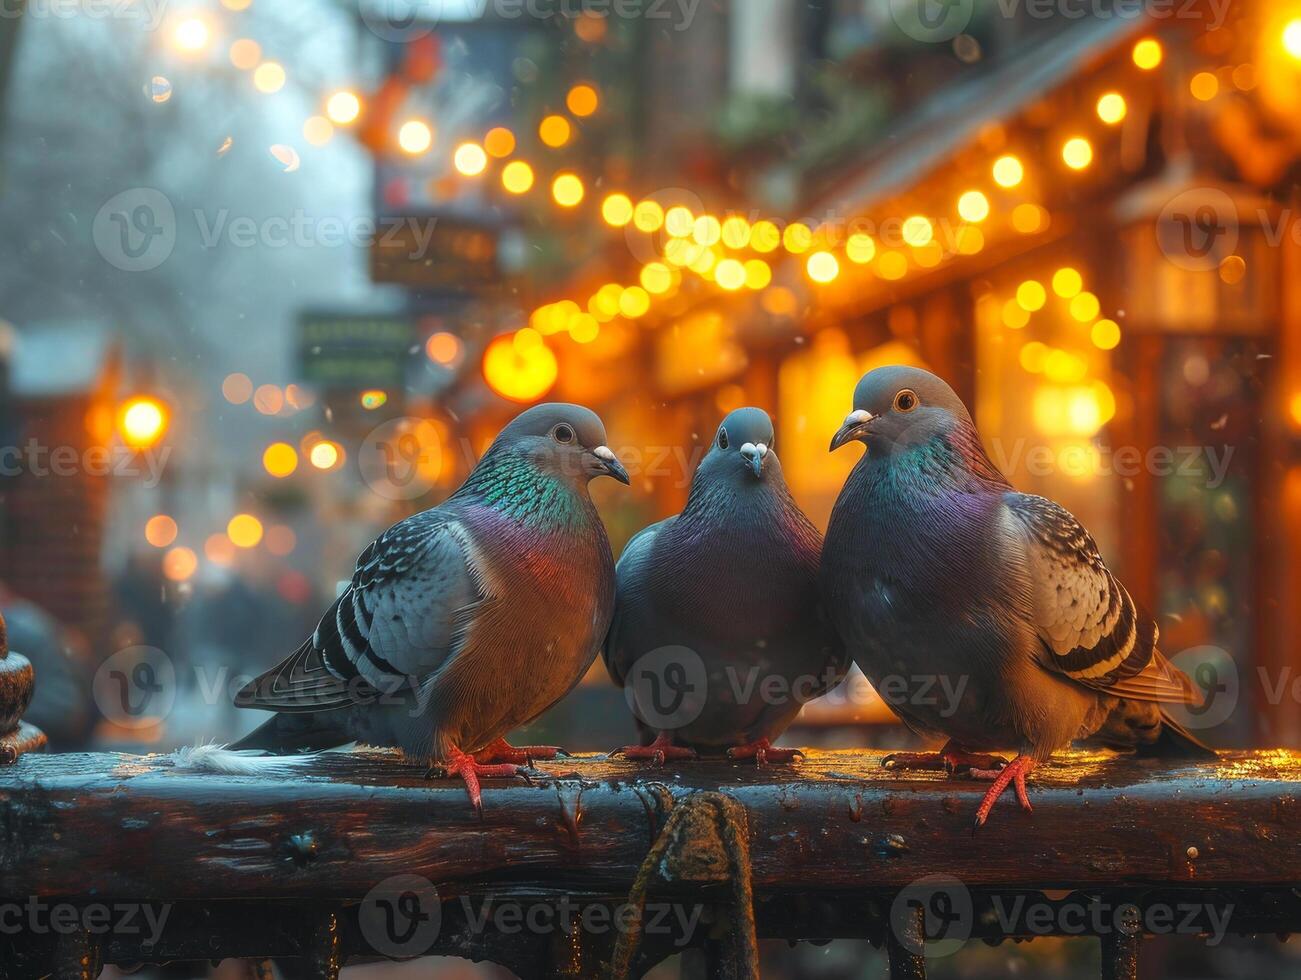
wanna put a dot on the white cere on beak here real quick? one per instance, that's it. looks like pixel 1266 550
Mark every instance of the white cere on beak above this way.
pixel 750 449
pixel 604 452
pixel 763 449
pixel 858 416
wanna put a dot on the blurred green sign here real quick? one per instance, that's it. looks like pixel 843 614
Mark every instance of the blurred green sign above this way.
pixel 346 350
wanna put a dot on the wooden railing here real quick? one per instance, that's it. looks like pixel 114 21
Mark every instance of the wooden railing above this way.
pixel 127 859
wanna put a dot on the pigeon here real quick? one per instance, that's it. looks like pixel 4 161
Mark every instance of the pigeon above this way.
pixel 464 621
pixel 936 570
pixel 725 594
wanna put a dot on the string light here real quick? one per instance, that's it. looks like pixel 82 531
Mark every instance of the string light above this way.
pixel 1112 108
pixel 973 206
pixel 582 100
pixel 517 177
pixel 567 190
pixel 470 159
pixel 1077 152
pixel 415 136
pixel 499 142
pixel 648 216
pixel 917 231
pixel 860 248
pixel 822 267
pixel 269 77
pixel 1008 171
pixel 1147 53
pixel 554 131
pixel 343 107
pixel 616 210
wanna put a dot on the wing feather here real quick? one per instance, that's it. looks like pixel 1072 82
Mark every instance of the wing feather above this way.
pixel 1090 627
pixel 401 618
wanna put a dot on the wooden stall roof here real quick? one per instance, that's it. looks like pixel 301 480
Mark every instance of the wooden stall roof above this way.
pixel 110 825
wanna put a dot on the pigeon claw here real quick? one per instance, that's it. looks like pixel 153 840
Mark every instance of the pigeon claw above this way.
pixel 658 751
pixel 953 759
pixel 463 765
pixel 763 753
pixel 1013 774
pixel 521 755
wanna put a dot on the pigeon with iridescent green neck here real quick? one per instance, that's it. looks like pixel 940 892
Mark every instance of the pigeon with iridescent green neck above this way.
pixel 467 620
pixel 943 578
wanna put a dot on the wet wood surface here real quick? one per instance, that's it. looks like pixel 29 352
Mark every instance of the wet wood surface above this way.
pixel 122 826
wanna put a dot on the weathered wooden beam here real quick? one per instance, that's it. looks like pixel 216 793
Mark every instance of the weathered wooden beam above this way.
pixel 132 827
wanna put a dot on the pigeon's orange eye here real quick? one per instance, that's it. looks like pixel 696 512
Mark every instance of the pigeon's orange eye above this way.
pixel 722 438
pixel 906 400
pixel 563 434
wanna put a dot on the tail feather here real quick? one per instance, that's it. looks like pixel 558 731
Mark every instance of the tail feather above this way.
pixel 289 733
pixel 1176 742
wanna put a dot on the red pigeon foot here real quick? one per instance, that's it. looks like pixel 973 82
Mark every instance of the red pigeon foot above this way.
pixel 659 750
pixel 952 759
pixel 464 765
pixel 523 755
pixel 763 753
pixel 1013 773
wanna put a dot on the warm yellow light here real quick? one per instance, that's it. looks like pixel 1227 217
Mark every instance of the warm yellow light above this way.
pixel 499 142
pixel 567 190
pixel 1147 53
pixel 1105 334
pixel 1008 171
pixel 179 564
pixel 1077 152
pixel 1295 407
pixel 583 329
pixel 765 236
pixel 970 240
pixel 758 274
pixel 236 4
pixel 648 216
pixel 860 248
pixel 269 77
pixel 192 34
pixel 1064 367
pixel 1232 269
pixel 1067 282
pixel 679 221
pixel 415 136
pixel 245 53
pixel 244 531
pixel 1292 38
pixel 656 278
pixel 1027 218
pixel 730 274
pixel 1033 355
pixel 519 376
pixel 616 210
pixel 735 231
pixel 526 339
pixel 373 398
pixel 268 399
pixel 973 206
pixel 554 131
pixel 917 231
pixel 1031 295
pixel 280 459
pixel 892 265
pixel 343 107
pixel 702 259
pixel 218 549
pixel 634 302
pixel 822 267
pixel 797 238
pixel 1204 86
pixel 143 422
pixel 317 130
pixel 160 530
pixel 1112 108
pixel 325 455
pixel 517 177
pixel 706 230
pixel 470 159
pixel 1085 307
pixel 1015 316
pixel 582 100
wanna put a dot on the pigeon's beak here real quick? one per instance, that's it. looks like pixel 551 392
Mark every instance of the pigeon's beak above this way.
pixel 856 422
pixel 755 455
pixel 610 465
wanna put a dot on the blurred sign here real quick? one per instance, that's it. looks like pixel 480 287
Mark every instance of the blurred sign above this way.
pixel 355 350
pixel 435 253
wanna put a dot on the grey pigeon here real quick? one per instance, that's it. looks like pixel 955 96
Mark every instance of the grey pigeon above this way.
pixel 935 569
pixel 464 621
pixel 724 595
